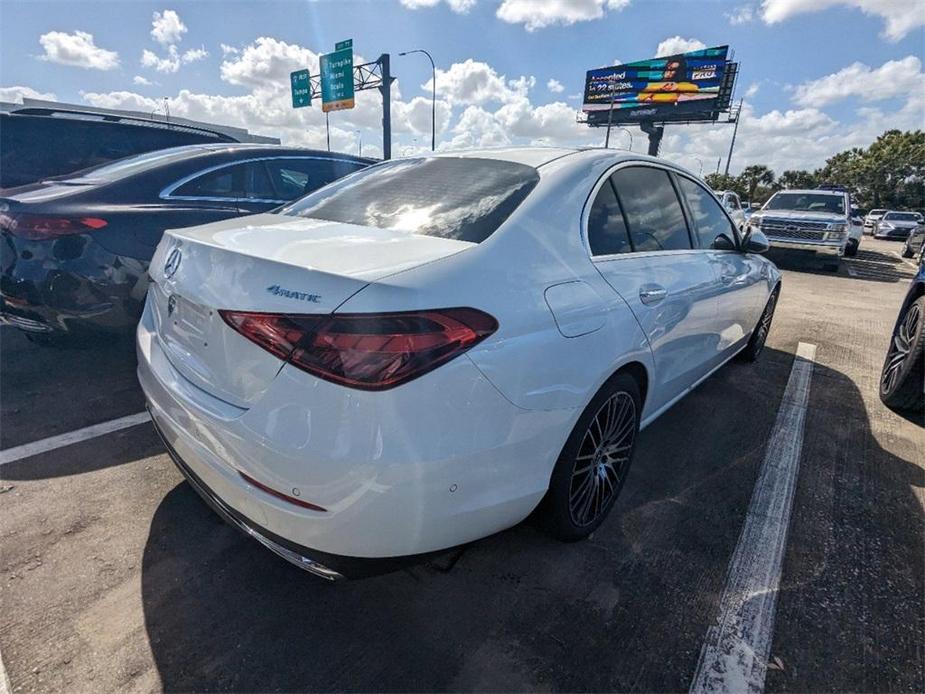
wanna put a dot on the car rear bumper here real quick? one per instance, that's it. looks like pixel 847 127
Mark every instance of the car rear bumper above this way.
pixel 435 463
pixel 42 292
pixel 821 247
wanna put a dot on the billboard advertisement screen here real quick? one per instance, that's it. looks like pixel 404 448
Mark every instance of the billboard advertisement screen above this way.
pixel 686 86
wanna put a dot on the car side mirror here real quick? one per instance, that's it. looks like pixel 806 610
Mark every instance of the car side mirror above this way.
pixel 723 243
pixel 755 242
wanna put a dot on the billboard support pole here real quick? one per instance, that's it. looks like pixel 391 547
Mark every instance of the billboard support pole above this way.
pixel 609 117
pixel 327 127
pixel 733 142
pixel 655 133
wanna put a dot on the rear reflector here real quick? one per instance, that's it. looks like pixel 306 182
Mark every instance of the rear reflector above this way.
pixel 370 351
pixel 38 227
pixel 280 495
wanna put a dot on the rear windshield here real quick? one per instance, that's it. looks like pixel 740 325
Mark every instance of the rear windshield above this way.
pixel 807 202
pixel 901 217
pixel 460 198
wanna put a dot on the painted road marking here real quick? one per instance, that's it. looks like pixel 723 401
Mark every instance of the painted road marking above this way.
pixel 905 260
pixel 5 686
pixel 735 652
pixel 27 450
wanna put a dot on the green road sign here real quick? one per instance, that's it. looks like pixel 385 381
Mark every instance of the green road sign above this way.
pixel 337 80
pixel 341 45
pixel 301 88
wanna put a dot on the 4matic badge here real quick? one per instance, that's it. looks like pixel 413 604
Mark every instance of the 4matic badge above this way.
pixel 276 290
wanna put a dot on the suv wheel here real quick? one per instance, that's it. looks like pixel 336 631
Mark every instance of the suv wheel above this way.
pixel 594 463
pixel 904 366
pixel 851 249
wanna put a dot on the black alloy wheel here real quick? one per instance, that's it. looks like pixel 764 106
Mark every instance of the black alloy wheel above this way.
pixel 760 334
pixel 595 461
pixel 902 381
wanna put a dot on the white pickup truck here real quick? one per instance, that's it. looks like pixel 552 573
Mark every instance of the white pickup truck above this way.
pixel 809 220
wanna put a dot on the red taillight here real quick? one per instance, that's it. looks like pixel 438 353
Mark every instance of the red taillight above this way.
pixel 37 227
pixel 371 351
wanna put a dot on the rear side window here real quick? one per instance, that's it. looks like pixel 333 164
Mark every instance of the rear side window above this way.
pixel 227 182
pixel 709 220
pixel 607 233
pixel 463 198
pixel 653 211
pixel 293 178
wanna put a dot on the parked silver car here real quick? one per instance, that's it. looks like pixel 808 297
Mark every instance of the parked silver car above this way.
pixel 897 225
pixel 914 242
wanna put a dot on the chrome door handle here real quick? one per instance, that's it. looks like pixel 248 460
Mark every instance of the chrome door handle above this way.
pixel 652 295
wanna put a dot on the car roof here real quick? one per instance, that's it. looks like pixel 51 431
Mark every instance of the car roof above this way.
pixel 531 156
pixel 814 191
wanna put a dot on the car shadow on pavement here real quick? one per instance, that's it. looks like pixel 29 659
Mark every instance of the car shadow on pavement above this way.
pixel 45 391
pixel 872 265
pixel 625 610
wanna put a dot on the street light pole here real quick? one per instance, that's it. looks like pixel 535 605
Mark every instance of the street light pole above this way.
pixel 433 101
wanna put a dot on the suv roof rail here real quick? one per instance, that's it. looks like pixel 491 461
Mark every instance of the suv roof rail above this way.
pixel 39 107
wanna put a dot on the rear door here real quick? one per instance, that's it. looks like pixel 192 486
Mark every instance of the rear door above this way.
pixel 641 244
pixel 742 277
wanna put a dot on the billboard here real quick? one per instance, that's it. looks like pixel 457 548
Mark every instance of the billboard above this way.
pixel 684 87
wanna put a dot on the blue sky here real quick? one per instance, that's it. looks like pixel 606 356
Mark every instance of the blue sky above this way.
pixel 817 75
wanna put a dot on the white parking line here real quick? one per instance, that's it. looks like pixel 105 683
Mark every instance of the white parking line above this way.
pixel 905 260
pixel 735 652
pixel 5 686
pixel 851 270
pixel 27 450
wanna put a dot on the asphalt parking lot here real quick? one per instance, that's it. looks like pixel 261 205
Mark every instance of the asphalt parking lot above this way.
pixel 115 576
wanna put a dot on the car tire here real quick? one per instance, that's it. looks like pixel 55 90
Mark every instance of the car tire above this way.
pixel 594 462
pixel 760 334
pixel 851 249
pixel 907 251
pixel 904 366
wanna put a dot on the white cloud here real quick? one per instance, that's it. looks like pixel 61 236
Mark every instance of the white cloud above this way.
pixel 475 82
pixel 169 63
pixel 677 44
pixel 167 27
pixel 17 94
pixel 900 16
pixel 77 50
pixel 752 90
pixel 555 86
pixel 537 14
pixel 194 54
pixel 229 50
pixel 892 79
pixel 142 81
pixel 267 61
pixel 740 15
pixel 458 6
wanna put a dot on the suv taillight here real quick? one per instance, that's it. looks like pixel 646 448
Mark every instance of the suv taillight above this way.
pixel 370 351
pixel 38 227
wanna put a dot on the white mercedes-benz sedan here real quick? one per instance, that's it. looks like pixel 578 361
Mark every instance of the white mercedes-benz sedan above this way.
pixel 431 349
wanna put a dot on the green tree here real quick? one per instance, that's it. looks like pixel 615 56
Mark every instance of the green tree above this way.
pixel 754 176
pixel 718 181
pixel 797 179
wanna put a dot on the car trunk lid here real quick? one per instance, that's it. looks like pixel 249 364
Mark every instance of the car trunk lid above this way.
pixel 267 263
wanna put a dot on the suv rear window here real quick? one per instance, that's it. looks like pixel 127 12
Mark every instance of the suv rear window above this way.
pixel 462 198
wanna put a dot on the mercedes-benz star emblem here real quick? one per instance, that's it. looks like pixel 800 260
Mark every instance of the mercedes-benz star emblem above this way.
pixel 173 263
